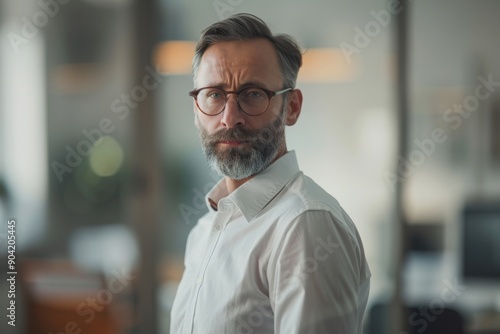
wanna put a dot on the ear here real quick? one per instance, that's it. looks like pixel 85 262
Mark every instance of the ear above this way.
pixel 294 106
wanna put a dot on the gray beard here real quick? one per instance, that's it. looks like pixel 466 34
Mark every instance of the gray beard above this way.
pixel 257 154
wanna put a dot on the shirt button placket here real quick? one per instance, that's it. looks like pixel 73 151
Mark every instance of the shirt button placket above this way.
pixel 221 219
pixel 225 215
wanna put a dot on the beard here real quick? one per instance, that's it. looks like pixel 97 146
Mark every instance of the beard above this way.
pixel 259 149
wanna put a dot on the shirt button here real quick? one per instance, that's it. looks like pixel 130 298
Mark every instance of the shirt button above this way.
pixel 199 281
pixel 218 227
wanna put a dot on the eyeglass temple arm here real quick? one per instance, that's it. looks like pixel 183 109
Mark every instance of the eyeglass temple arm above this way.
pixel 282 91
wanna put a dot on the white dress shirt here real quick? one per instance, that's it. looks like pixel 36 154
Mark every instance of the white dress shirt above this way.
pixel 277 255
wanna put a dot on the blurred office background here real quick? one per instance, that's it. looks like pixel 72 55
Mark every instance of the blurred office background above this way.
pixel 102 169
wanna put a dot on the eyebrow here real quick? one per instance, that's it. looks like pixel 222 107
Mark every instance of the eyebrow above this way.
pixel 246 84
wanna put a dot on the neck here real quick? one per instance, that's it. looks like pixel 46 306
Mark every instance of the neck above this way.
pixel 232 185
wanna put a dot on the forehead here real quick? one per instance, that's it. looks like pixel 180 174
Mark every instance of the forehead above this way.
pixel 237 62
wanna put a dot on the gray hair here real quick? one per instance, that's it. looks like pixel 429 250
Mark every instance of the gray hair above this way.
pixel 243 27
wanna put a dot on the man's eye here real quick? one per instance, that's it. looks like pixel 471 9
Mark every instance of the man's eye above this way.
pixel 253 93
pixel 214 95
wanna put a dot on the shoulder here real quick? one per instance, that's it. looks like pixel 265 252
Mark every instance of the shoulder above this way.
pixel 302 200
pixel 310 213
pixel 317 231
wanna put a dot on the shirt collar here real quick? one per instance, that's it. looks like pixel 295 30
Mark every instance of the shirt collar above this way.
pixel 255 194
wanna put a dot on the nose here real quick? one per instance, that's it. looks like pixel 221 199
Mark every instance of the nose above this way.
pixel 232 116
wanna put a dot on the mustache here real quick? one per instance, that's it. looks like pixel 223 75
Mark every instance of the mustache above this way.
pixel 232 134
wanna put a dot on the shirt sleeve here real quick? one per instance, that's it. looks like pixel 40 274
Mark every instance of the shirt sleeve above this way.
pixel 318 277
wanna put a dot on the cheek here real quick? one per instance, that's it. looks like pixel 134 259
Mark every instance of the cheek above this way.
pixel 275 111
pixel 209 123
pixel 257 123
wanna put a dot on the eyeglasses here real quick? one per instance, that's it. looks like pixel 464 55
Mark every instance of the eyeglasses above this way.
pixel 253 101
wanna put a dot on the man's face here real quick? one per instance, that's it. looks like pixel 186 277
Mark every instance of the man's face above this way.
pixel 237 145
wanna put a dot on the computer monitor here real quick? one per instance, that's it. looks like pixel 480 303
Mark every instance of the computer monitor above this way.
pixel 481 242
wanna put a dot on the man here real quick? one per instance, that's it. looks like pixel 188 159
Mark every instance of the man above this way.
pixel 275 253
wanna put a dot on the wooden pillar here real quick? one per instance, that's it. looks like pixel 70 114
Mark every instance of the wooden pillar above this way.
pixel 398 318
pixel 146 179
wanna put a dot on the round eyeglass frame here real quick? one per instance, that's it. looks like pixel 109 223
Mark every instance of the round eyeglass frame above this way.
pixel 270 94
